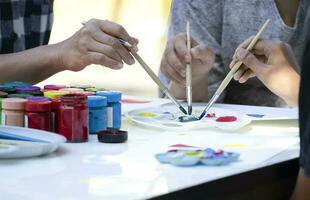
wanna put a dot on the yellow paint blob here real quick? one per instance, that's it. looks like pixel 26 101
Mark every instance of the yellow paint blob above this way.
pixel 236 145
pixel 147 114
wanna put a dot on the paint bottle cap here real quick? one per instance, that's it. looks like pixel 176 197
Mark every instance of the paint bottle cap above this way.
pixel 7 89
pixel 52 94
pixel 112 96
pixel 56 103
pixel 38 105
pixel 16 84
pixel 72 90
pixel 97 101
pixel 38 99
pixel 86 93
pixel 112 136
pixel 73 99
pixel 27 88
pixel 14 103
pixel 20 95
pixel 3 94
pixel 53 87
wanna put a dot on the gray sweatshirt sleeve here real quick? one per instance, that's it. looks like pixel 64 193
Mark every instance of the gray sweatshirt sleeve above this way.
pixel 206 28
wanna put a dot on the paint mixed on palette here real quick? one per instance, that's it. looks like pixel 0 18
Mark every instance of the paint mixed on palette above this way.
pixel 169 117
pixel 184 155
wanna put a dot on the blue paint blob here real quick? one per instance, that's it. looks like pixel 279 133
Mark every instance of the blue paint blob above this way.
pixel 256 115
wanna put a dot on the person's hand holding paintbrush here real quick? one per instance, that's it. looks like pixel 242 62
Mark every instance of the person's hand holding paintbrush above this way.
pixel 173 66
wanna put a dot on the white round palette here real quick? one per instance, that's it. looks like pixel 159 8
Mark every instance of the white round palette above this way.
pixel 166 117
pixel 47 142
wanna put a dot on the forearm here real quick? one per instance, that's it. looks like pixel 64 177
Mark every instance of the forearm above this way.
pixel 33 65
pixel 199 87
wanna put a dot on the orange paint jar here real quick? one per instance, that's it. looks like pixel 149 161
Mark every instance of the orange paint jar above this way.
pixel 14 111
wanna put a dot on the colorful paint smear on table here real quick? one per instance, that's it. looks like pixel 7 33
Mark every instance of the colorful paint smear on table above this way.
pixel 134 101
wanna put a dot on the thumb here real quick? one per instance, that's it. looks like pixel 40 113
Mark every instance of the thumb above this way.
pixel 250 60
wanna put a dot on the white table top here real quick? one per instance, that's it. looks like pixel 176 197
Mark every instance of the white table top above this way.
pixel 96 170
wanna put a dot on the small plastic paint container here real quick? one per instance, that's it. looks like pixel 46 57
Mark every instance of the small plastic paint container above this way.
pixel 53 87
pixel 38 113
pixel 32 90
pixel 114 112
pixel 72 90
pixel 73 117
pixel 20 95
pixel 53 94
pixel 13 110
pixel 3 94
pixel 7 89
pixel 15 84
pixel 97 114
pixel 112 136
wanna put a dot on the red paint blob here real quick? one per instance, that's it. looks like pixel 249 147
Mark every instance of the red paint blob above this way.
pixel 210 115
pixel 182 146
pixel 226 119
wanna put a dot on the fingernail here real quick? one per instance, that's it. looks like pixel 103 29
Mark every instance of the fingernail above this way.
pixel 119 65
pixel 131 61
pixel 187 59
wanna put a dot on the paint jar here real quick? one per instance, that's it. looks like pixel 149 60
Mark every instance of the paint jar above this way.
pixel 56 103
pixel 38 112
pixel 114 113
pixel 53 94
pixel 53 87
pixel 97 106
pixel 73 118
pixel 13 110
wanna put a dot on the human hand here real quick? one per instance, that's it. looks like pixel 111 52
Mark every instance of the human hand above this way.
pixel 97 42
pixel 273 62
pixel 176 56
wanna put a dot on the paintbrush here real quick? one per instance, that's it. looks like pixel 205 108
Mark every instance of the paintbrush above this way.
pixel 230 75
pixel 188 72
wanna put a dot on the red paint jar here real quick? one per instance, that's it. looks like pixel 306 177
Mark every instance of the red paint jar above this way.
pixel 73 118
pixel 56 103
pixel 38 112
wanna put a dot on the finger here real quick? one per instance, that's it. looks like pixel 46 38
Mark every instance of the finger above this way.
pixel 248 74
pixel 174 62
pixel 203 53
pixel 115 44
pixel 171 74
pixel 240 72
pixel 107 50
pixel 115 30
pixel 180 47
pixel 248 59
pixel 101 59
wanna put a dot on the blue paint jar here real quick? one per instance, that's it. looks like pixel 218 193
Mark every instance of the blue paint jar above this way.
pixel 97 106
pixel 114 112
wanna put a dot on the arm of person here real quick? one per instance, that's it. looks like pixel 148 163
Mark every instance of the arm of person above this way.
pixel 206 35
pixel 95 43
pixel 273 62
